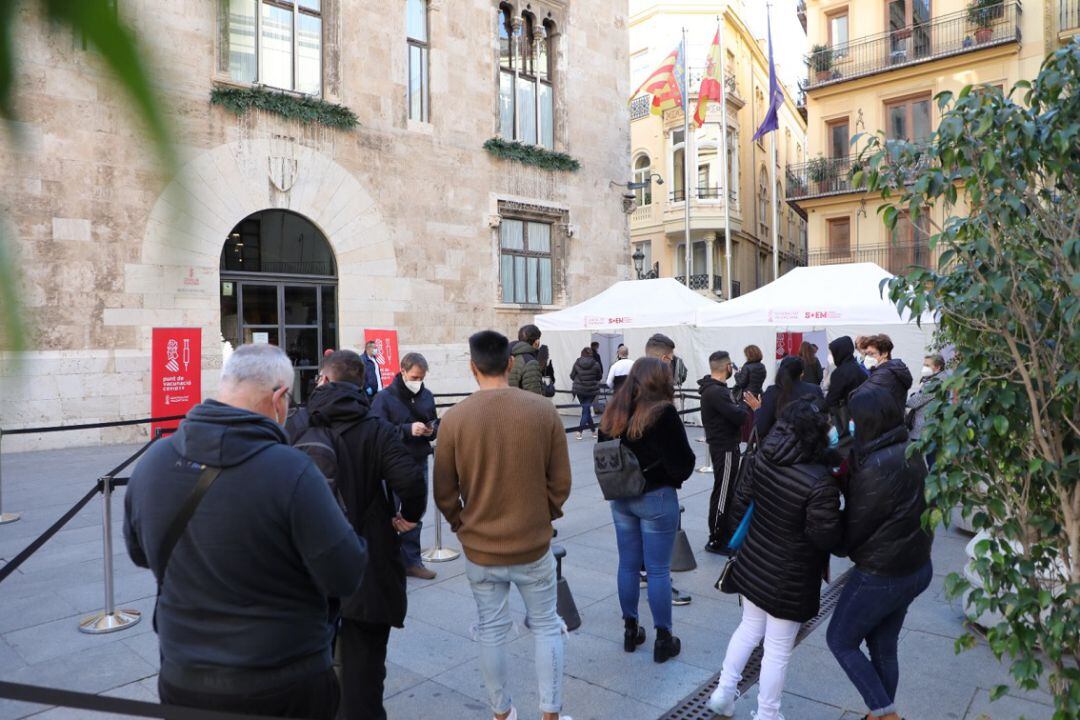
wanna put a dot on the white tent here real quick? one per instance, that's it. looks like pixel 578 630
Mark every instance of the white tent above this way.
pixel 838 299
pixel 628 312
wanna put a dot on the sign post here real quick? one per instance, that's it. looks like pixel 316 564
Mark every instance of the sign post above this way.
pixel 176 374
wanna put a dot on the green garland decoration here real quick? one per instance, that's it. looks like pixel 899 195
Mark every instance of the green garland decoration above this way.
pixel 531 155
pixel 306 109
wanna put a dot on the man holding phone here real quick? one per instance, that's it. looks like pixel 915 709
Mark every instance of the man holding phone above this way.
pixel 410 406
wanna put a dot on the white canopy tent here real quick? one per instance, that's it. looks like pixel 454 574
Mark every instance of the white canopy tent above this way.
pixel 628 312
pixel 838 299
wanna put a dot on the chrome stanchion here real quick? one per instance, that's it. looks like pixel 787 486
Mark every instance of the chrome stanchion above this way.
pixel 438 553
pixel 110 619
pixel 5 518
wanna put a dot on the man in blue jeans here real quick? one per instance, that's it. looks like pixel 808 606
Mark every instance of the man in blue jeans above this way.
pixel 500 491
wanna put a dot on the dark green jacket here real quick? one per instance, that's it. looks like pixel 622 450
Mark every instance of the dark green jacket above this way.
pixel 526 373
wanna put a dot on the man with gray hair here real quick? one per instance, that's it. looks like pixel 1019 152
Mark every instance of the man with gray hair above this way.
pixel 249 549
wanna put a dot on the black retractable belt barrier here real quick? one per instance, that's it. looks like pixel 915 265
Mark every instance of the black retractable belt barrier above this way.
pixel 33 547
pixel 117 706
pixel 90 426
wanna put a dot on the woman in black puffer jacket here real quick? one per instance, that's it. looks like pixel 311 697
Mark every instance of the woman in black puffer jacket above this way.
pixel 751 376
pixel 778 570
pixel 884 536
pixel 586 376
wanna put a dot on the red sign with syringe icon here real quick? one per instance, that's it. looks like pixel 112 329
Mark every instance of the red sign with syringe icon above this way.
pixel 175 374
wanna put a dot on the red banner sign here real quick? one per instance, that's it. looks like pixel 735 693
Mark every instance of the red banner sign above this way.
pixel 386 352
pixel 175 374
pixel 788 343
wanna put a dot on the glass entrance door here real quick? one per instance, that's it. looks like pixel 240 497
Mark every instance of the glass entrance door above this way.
pixel 300 318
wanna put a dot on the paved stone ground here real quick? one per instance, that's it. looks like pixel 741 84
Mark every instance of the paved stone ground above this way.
pixel 433 670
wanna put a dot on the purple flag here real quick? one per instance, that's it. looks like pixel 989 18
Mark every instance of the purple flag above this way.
pixel 776 95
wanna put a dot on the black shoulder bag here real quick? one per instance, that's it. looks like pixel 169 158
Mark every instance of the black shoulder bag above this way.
pixel 180 522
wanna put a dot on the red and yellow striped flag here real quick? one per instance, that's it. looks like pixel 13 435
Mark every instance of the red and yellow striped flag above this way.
pixel 711 87
pixel 664 84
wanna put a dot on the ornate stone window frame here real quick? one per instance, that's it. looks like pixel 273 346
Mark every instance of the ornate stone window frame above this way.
pixel 558 218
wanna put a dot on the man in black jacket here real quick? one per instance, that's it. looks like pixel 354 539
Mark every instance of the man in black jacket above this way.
pixel 409 406
pixel 845 377
pixel 723 419
pixel 367 452
pixel 243 618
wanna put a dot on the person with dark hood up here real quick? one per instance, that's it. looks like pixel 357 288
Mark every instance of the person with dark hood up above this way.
pixel 370 466
pixel 884 535
pixel 788 388
pixel 408 405
pixel 845 377
pixel 245 615
pixel 586 376
pixel 723 419
pixel 795 524
pixel 885 371
pixel 527 373
pixel 812 370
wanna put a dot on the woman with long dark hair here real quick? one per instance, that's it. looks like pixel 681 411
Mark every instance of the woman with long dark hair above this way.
pixel 884 536
pixel 812 371
pixel 642 414
pixel 788 387
pixel 796 522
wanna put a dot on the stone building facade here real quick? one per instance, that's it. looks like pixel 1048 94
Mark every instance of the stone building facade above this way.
pixel 403 222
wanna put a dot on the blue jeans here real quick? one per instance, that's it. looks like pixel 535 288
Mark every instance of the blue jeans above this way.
pixel 536 582
pixel 645 528
pixel 586 413
pixel 872 608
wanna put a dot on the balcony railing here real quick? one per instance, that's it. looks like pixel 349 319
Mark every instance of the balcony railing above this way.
pixel 695 73
pixel 940 37
pixel 833 176
pixel 701 282
pixel 709 192
pixel 896 258
pixel 1069 15
pixel 639 107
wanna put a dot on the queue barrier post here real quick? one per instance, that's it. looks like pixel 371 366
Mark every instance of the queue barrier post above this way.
pixel 110 619
pixel 5 518
pixel 438 553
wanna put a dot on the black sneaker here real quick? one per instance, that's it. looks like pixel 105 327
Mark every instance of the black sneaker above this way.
pixel 717 548
pixel 678 598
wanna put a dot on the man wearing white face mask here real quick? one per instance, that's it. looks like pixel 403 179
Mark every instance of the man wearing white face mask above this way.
pixel 408 405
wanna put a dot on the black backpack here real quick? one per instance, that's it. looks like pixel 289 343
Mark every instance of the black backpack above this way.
pixel 618 471
pixel 322 444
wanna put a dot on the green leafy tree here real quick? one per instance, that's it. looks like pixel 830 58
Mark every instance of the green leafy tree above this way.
pixel 1006 425
pixel 98 22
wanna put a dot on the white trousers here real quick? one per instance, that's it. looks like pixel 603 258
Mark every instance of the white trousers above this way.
pixel 779 636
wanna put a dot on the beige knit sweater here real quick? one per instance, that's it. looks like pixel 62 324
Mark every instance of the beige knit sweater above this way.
pixel 502 474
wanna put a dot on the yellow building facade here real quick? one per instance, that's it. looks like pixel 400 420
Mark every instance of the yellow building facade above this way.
pixel 659 149
pixel 876 66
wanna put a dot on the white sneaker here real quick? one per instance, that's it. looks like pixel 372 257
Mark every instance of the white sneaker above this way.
pixel 753 716
pixel 705 469
pixel 512 715
pixel 579 436
pixel 722 706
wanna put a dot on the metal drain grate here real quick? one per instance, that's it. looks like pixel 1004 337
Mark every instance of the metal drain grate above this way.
pixel 693 706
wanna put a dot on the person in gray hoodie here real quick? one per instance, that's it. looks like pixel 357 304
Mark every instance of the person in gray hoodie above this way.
pixel 246 600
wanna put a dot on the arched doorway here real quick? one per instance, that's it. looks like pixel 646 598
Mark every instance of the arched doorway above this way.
pixel 279 286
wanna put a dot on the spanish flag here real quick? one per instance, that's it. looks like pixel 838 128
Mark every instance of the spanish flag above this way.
pixel 712 87
pixel 666 83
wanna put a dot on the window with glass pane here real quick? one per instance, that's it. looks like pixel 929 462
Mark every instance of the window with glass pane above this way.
pixel 679 171
pixel 417 31
pixel 838 138
pixel 525 262
pixel 838 34
pixel 909 119
pixel 642 173
pixel 276 43
pixel 526 93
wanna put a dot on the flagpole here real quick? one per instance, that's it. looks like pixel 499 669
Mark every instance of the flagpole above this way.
pixel 724 160
pixel 686 159
pixel 772 173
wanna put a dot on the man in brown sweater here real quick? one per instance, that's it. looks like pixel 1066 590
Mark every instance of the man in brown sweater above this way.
pixel 502 474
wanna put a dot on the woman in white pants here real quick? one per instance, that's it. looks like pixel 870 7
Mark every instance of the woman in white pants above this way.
pixel 778 569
